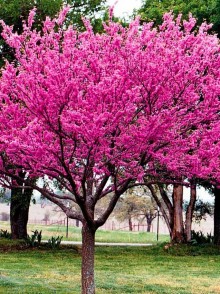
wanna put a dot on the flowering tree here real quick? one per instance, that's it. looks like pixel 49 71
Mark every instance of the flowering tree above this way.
pixel 97 113
pixel 14 12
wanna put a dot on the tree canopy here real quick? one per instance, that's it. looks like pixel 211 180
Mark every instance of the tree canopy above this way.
pixel 202 10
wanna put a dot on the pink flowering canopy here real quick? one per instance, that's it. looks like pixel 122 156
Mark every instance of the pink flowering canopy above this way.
pixel 99 111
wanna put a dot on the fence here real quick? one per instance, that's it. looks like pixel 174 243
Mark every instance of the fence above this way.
pixel 108 226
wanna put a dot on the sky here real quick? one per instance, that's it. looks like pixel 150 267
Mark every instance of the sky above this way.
pixel 124 7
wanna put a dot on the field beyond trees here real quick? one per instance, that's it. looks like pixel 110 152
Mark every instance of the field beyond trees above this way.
pixel 74 234
pixel 180 270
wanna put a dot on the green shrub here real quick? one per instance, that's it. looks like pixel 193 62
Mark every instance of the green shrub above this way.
pixel 5 234
pixel 200 238
pixel 54 242
pixel 35 239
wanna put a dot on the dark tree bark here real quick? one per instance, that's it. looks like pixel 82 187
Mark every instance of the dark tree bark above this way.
pixel 216 192
pixel 88 252
pixel 178 228
pixel 149 222
pixel 130 224
pixel 19 210
pixel 189 212
pixel 150 217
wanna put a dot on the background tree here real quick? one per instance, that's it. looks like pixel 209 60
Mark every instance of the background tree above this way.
pixel 202 10
pixel 172 207
pixel 214 190
pixel 136 204
pixel 127 209
pixel 201 210
pixel 95 11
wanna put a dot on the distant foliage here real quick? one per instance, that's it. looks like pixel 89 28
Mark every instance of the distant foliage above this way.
pixel 203 10
pixel 201 238
pixel 201 210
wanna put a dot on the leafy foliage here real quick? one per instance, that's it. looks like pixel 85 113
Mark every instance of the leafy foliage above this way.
pixel 5 234
pixel 35 239
pixel 137 204
pixel 201 210
pixel 54 242
pixel 203 10
pixel 94 10
pixel 15 12
pixel 200 238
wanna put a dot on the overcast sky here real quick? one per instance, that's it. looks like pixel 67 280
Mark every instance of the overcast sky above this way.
pixel 124 7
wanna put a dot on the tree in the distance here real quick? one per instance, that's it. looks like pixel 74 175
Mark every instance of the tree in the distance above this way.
pixel 98 112
pixel 136 204
pixel 203 10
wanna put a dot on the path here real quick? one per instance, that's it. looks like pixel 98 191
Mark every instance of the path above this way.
pixel 106 244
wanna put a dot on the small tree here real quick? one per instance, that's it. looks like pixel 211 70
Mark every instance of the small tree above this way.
pixel 137 204
pixel 127 209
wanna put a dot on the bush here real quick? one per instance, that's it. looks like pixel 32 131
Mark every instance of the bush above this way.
pixel 5 234
pixel 200 238
pixel 35 239
pixel 54 242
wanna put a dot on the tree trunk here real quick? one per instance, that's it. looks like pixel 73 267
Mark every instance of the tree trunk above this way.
pixel 169 207
pixel 130 224
pixel 88 250
pixel 163 208
pixel 216 192
pixel 178 229
pixel 19 211
pixel 189 212
pixel 149 222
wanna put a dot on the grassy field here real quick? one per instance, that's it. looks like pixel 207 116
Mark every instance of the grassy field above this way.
pixel 119 270
pixel 101 235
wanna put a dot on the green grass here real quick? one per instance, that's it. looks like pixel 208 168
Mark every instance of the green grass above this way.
pixel 119 270
pixel 101 235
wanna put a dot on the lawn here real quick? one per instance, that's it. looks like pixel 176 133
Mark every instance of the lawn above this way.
pixel 180 270
pixel 101 235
